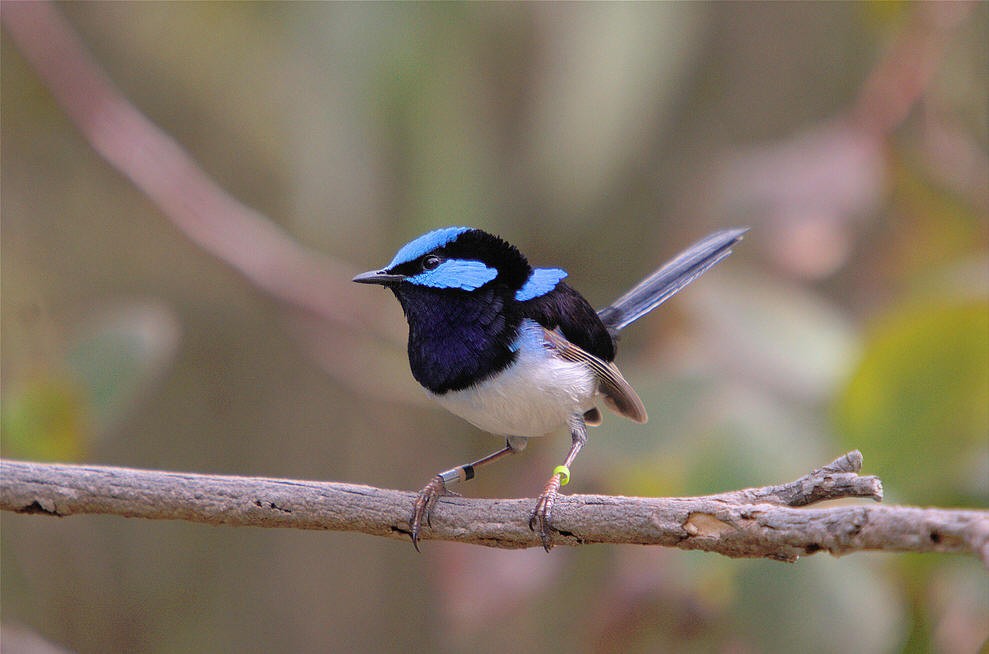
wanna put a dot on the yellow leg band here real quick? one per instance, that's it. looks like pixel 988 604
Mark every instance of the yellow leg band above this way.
pixel 564 473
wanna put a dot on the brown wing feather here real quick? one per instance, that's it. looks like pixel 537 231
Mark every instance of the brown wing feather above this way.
pixel 618 393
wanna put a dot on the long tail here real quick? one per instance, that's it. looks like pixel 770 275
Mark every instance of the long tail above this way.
pixel 670 279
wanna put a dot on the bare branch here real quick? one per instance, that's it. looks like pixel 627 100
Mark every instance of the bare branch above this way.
pixel 834 481
pixel 762 522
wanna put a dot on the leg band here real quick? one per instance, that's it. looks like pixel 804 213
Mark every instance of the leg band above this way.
pixel 450 476
pixel 564 473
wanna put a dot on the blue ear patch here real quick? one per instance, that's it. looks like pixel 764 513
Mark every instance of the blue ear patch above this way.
pixel 455 273
pixel 540 282
pixel 426 244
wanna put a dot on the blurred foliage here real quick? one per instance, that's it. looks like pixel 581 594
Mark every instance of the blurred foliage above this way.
pixel 918 396
pixel 44 420
pixel 599 137
pixel 58 413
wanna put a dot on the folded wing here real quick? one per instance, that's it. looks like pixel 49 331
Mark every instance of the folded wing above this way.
pixel 618 393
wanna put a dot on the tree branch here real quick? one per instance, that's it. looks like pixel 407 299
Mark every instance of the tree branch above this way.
pixel 761 522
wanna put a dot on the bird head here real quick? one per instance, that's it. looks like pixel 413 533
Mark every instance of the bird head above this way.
pixel 457 259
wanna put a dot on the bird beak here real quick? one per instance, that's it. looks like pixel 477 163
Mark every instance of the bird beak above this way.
pixel 378 277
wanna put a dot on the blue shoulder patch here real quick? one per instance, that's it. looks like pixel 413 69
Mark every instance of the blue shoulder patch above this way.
pixel 455 273
pixel 425 244
pixel 530 337
pixel 540 282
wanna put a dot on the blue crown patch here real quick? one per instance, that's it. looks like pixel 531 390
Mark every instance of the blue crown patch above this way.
pixel 426 243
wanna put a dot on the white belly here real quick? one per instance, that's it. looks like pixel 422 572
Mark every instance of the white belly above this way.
pixel 534 396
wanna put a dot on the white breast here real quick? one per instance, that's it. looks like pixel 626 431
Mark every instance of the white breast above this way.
pixel 532 397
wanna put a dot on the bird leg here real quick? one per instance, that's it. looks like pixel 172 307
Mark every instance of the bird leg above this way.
pixel 542 515
pixel 438 485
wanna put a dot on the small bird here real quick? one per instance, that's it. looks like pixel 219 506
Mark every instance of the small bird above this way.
pixel 516 351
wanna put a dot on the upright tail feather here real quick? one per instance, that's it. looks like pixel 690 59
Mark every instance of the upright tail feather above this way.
pixel 670 279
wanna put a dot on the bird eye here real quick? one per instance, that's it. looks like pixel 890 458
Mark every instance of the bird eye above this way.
pixel 431 262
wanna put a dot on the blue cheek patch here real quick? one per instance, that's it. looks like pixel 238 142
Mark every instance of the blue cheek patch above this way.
pixel 426 244
pixel 456 273
pixel 540 282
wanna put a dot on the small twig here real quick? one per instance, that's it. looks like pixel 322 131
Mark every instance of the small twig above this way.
pixel 836 480
pixel 763 522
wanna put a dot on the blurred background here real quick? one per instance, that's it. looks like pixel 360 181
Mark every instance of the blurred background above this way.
pixel 150 320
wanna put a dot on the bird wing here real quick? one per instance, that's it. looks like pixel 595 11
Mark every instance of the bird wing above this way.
pixel 566 310
pixel 618 393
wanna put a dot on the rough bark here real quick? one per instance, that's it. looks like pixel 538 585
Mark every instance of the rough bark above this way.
pixel 771 522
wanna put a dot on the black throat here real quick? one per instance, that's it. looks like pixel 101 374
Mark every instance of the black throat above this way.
pixel 458 338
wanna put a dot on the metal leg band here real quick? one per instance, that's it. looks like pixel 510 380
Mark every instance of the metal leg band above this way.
pixel 451 476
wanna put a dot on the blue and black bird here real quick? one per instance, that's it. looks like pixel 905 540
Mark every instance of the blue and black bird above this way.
pixel 516 351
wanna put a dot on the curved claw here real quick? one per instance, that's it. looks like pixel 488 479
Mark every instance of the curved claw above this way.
pixel 423 507
pixel 542 516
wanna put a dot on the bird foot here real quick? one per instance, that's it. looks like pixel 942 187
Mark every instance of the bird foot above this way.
pixel 541 521
pixel 423 507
